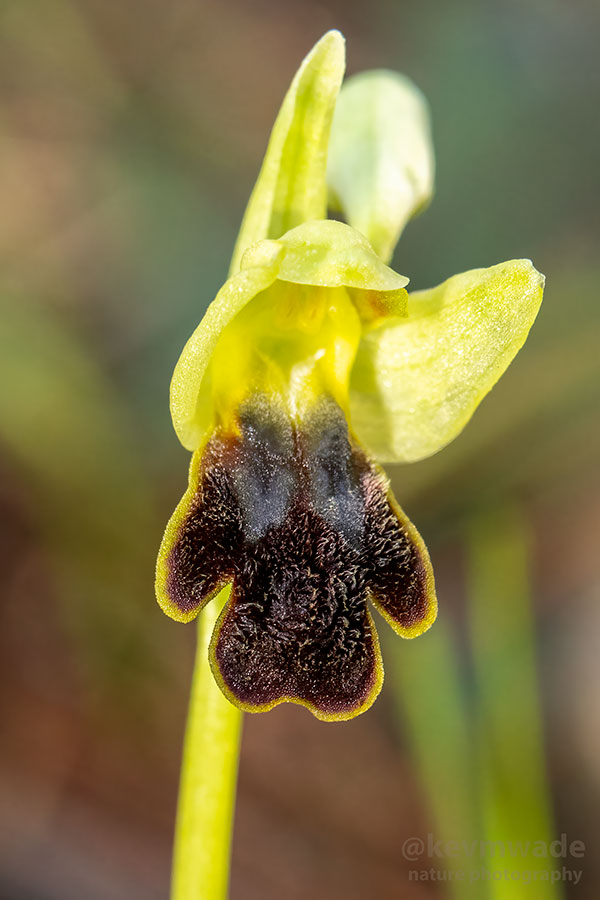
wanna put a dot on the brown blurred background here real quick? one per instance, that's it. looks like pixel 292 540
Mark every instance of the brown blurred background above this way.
pixel 130 137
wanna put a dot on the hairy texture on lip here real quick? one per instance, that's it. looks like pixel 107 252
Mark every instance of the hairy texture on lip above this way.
pixel 298 626
pixel 300 521
pixel 200 561
pixel 397 563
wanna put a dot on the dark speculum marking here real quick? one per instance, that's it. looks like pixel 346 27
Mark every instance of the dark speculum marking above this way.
pixel 300 521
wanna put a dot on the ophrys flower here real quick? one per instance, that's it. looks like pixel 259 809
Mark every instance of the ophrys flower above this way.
pixel 311 364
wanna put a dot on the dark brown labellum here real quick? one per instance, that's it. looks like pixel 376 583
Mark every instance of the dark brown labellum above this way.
pixel 302 523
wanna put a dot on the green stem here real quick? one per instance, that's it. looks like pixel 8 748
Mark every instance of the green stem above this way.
pixel 432 705
pixel 514 790
pixel 208 782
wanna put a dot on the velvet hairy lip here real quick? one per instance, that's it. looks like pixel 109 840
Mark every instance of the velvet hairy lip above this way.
pixel 311 367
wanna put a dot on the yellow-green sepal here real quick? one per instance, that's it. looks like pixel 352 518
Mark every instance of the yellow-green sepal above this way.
pixel 381 165
pixel 190 395
pixel 291 187
pixel 416 382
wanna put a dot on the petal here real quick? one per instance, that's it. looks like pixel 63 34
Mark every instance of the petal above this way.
pixel 276 508
pixel 416 382
pixel 291 186
pixel 190 396
pixel 399 572
pixel 297 628
pixel 380 166
pixel 292 512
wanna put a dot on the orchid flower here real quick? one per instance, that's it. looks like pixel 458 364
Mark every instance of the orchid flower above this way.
pixel 311 368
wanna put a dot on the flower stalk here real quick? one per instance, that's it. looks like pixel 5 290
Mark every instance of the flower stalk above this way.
pixel 208 781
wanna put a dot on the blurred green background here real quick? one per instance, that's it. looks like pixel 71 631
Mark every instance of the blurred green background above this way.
pixel 130 137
